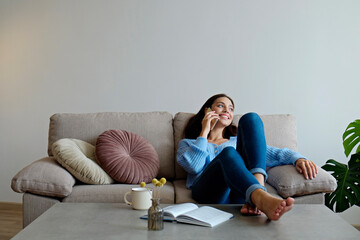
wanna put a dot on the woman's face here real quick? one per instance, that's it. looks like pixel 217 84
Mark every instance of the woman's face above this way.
pixel 224 107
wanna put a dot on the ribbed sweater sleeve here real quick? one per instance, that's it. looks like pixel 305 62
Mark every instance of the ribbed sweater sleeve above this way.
pixel 281 156
pixel 192 154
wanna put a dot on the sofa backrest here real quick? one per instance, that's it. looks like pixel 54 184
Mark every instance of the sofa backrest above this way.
pixel 156 127
pixel 280 131
pixel 161 129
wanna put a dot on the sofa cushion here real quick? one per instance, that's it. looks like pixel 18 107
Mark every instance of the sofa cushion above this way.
pixel 127 157
pixel 289 182
pixel 113 193
pixel 78 157
pixel 156 127
pixel 44 177
pixel 183 194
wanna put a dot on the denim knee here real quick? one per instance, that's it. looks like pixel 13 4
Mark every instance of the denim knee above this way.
pixel 232 154
pixel 251 116
pixel 229 154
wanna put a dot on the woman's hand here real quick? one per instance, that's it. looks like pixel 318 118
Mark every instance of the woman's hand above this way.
pixel 307 168
pixel 206 123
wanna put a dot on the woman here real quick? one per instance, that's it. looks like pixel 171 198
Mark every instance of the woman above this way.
pixel 226 164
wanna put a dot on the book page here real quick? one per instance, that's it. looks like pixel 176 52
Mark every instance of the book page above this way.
pixel 175 210
pixel 205 216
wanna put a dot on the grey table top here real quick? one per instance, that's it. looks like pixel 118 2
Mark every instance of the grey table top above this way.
pixel 119 221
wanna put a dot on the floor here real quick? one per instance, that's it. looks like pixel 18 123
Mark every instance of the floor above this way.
pixel 10 220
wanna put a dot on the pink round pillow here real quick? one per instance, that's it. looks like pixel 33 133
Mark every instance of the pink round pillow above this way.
pixel 127 157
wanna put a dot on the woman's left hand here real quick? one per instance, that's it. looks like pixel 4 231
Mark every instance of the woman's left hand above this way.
pixel 307 168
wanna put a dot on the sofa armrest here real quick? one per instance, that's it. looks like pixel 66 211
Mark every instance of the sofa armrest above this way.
pixel 44 177
pixel 289 182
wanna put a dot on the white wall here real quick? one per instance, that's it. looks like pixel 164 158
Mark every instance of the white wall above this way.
pixel 299 57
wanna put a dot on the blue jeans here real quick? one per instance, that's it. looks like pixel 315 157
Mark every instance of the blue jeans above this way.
pixel 229 177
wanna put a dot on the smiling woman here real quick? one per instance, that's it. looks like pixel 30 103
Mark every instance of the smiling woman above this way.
pixel 194 126
pixel 221 114
pixel 227 164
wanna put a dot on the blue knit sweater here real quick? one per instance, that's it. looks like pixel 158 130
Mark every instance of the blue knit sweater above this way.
pixel 195 154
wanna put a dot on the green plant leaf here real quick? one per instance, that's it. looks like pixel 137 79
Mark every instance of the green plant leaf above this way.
pixel 347 192
pixel 351 137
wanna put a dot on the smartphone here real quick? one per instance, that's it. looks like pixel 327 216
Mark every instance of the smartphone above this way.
pixel 213 122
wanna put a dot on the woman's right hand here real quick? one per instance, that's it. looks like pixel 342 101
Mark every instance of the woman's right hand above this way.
pixel 206 123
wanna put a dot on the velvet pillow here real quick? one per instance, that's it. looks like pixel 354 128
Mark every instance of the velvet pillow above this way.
pixel 78 157
pixel 289 182
pixel 127 157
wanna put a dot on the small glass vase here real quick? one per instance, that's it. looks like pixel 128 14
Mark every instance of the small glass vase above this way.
pixel 155 215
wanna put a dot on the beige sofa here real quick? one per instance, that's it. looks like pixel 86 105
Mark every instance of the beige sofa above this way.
pixel 45 182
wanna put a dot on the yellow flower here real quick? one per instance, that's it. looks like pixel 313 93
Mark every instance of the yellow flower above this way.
pixel 163 180
pixel 142 184
pixel 155 181
pixel 159 184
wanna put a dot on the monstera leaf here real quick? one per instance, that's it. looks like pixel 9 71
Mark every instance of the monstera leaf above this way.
pixel 351 137
pixel 347 192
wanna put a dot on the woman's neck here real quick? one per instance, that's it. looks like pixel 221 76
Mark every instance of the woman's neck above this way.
pixel 216 137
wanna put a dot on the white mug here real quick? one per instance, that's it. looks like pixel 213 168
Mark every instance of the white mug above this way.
pixel 140 198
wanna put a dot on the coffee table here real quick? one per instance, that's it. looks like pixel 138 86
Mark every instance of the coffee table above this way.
pixel 118 221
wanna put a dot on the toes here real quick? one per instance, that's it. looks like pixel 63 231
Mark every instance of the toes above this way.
pixel 244 210
pixel 289 201
pixel 249 210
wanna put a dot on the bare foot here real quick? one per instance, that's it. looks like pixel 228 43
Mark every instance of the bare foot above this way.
pixel 273 207
pixel 248 210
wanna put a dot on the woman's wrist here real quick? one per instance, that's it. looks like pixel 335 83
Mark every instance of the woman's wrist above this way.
pixel 203 134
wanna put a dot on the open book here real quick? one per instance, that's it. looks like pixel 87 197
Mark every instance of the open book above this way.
pixel 192 214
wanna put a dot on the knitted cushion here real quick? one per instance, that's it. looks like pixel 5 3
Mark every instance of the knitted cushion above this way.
pixel 127 157
pixel 78 157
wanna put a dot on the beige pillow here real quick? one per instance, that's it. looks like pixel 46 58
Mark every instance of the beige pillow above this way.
pixel 44 177
pixel 289 182
pixel 78 157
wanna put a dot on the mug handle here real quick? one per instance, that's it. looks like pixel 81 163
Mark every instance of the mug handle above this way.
pixel 127 202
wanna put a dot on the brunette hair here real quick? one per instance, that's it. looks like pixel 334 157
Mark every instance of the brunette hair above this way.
pixel 193 127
